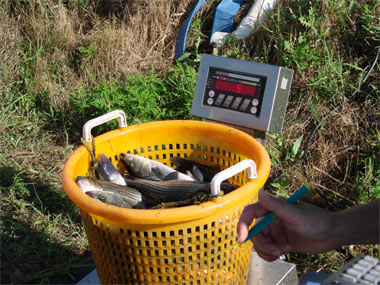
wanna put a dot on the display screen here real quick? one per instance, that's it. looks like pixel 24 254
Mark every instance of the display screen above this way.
pixel 235 87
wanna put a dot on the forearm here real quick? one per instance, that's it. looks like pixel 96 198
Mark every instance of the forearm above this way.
pixel 357 225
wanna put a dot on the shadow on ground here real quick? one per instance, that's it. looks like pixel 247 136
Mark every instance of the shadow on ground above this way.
pixel 42 238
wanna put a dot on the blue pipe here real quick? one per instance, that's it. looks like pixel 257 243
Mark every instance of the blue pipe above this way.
pixel 180 43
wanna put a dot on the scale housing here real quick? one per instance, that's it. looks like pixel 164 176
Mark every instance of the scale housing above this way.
pixel 242 93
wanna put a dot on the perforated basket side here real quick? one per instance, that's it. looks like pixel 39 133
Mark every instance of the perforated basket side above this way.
pixel 196 252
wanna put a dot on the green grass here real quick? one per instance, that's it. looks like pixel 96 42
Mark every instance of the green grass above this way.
pixel 35 222
pixel 329 45
pixel 142 97
pixel 368 181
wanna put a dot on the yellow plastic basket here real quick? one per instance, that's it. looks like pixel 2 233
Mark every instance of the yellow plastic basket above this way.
pixel 190 245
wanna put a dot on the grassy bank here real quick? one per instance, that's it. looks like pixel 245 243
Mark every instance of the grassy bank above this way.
pixel 65 62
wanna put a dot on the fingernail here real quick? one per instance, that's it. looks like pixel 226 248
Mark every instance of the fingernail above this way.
pixel 285 248
pixel 240 238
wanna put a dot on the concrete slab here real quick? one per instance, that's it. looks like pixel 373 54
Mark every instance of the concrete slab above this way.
pixel 91 278
pixel 276 272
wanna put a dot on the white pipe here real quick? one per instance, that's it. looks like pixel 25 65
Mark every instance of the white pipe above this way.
pixel 255 16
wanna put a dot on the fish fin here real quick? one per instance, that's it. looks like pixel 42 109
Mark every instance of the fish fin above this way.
pixel 171 176
pixel 197 173
pixel 105 170
pixel 156 174
pixel 181 162
pixel 188 173
pixel 139 205
pixel 79 178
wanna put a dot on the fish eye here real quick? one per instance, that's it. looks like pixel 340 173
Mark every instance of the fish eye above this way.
pixel 102 197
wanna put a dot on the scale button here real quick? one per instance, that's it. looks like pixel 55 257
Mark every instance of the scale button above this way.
pixel 244 105
pixel 211 93
pixel 255 102
pixel 219 99
pixel 236 102
pixel 228 101
pixel 253 110
pixel 210 101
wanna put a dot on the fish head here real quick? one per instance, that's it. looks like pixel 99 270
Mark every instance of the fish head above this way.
pixel 104 196
pixel 109 198
pixel 87 184
pixel 98 195
pixel 108 172
pixel 137 166
pixel 127 161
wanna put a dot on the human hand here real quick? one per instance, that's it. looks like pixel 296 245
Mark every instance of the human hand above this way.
pixel 301 228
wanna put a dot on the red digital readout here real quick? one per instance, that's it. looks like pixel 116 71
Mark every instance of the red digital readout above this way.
pixel 235 87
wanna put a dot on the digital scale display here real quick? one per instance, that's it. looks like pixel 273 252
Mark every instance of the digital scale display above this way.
pixel 234 91
pixel 235 87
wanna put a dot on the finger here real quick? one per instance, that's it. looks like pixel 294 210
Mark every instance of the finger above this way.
pixel 263 253
pixel 268 248
pixel 252 211
pixel 242 232
pixel 249 213
pixel 278 206
pixel 277 232
pixel 266 257
pixel 268 229
pixel 285 248
pixel 244 221
pixel 264 244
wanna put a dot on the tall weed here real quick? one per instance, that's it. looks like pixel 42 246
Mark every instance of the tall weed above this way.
pixel 140 97
pixel 181 87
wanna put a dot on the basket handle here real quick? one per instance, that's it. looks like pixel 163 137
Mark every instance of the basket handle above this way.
pixel 116 114
pixel 231 171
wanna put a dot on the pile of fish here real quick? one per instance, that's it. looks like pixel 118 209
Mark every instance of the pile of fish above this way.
pixel 148 184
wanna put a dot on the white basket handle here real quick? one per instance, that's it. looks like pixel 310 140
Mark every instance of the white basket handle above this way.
pixel 231 171
pixel 116 114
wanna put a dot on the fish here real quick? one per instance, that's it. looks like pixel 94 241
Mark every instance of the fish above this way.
pixel 195 199
pixel 108 172
pixel 141 167
pixel 184 164
pixel 129 194
pixel 114 199
pixel 156 192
